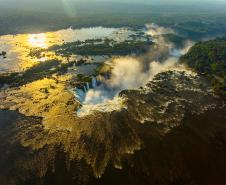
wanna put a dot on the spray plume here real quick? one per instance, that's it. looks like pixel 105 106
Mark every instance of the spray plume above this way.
pixel 133 72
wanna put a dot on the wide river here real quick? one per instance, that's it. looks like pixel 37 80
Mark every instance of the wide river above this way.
pixel 19 46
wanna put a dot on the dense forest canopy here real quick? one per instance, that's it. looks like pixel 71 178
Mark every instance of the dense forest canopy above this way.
pixel 209 59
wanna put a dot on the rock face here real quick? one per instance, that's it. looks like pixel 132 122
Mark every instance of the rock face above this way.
pixel 172 131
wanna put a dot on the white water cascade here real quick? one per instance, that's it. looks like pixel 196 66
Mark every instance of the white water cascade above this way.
pixel 80 94
pixel 87 86
pixel 94 82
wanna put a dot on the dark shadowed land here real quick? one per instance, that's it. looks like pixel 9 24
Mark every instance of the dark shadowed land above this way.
pixel 185 145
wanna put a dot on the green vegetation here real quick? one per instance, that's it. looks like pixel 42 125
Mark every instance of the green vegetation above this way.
pixel 91 48
pixel 3 53
pixel 177 40
pixel 81 81
pixel 209 59
pixel 37 72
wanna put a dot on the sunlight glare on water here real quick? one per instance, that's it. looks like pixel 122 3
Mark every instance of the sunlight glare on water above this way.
pixel 19 46
pixel 37 40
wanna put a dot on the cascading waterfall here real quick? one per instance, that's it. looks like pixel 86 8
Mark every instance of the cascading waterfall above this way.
pixel 87 86
pixel 80 94
pixel 94 82
pixel 84 89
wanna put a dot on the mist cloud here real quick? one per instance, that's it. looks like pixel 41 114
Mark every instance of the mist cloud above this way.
pixel 134 72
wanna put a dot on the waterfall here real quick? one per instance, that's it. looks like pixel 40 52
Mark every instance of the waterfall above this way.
pixel 80 95
pixel 84 89
pixel 87 86
pixel 94 82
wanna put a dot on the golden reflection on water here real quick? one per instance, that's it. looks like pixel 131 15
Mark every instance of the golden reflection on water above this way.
pixel 48 98
pixel 19 46
pixel 37 40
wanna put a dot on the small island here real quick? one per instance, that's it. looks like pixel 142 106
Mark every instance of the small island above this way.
pixel 3 53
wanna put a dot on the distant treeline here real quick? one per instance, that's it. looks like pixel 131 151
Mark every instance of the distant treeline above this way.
pixel 196 25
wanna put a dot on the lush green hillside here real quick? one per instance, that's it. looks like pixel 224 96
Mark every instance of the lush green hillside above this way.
pixel 209 58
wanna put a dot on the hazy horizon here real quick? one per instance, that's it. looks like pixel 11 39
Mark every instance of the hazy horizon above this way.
pixel 124 1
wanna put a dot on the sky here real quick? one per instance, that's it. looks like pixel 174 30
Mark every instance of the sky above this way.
pixel 26 4
pixel 128 1
pixel 156 1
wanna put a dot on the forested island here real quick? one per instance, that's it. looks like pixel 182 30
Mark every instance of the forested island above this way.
pixel 97 47
pixel 209 59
